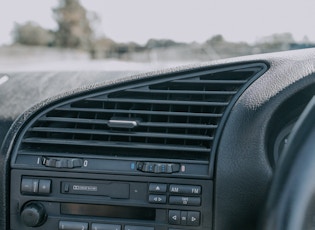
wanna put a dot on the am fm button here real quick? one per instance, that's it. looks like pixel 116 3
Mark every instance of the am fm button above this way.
pixel 185 189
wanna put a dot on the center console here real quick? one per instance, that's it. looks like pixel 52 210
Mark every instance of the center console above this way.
pixel 70 193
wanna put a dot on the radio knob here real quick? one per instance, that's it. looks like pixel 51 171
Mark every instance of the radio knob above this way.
pixel 33 214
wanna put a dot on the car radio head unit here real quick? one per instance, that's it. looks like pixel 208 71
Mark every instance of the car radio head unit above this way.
pixel 58 200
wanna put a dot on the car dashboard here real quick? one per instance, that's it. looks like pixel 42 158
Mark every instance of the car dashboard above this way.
pixel 189 148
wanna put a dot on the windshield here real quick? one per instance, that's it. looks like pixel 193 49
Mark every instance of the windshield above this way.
pixel 120 35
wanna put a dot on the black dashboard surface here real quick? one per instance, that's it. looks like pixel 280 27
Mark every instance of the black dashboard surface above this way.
pixel 23 90
pixel 244 157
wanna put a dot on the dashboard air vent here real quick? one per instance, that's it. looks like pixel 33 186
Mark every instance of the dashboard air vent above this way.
pixel 174 117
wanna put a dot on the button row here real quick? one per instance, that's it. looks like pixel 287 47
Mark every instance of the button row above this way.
pixel 175 189
pixel 72 225
pixel 35 186
pixel 177 200
pixel 185 218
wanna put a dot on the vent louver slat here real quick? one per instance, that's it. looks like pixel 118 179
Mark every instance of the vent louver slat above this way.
pixel 174 116
pixel 131 134
pixel 212 81
pixel 146 124
pixel 115 144
pixel 162 113
pixel 160 102
pixel 182 92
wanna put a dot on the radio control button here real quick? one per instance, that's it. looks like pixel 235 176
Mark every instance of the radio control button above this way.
pixel 185 189
pixel 44 186
pixel 105 227
pixel 187 201
pixel 183 217
pixel 157 199
pixel 128 227
pixel 193 218
pixel 157 187
pixel 71 225
pixel 33 214
pixel 29 185
pixel 174 217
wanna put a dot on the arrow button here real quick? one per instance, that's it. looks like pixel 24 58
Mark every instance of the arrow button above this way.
pixel 193 218
pixel 157 199
pixel 174 217
pixel 157 188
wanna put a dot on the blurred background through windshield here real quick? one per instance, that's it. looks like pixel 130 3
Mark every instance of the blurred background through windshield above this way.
pixel 113 35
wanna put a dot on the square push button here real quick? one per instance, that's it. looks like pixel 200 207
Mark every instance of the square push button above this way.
pixel 44 186
pixel 157 188
pixel 128 227
pixel 105 227
pixel 71 225
pixel 183 217
pixel 174 217
pixel 193 218
pixel 185 201
pixel 157 199
pixel 29 185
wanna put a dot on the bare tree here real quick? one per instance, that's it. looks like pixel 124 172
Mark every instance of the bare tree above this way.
pixel 74 29
pixel 32 34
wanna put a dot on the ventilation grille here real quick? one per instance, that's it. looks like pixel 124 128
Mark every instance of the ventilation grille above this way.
pixel 172 117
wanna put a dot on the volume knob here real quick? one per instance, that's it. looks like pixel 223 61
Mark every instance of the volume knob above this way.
pixel 33 214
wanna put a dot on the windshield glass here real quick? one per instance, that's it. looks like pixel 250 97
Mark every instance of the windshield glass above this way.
pixel 142 35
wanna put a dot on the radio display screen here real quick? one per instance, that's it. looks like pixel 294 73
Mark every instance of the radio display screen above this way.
pixel 110 211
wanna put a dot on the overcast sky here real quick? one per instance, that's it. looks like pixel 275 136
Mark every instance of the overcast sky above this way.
pixel 180 20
